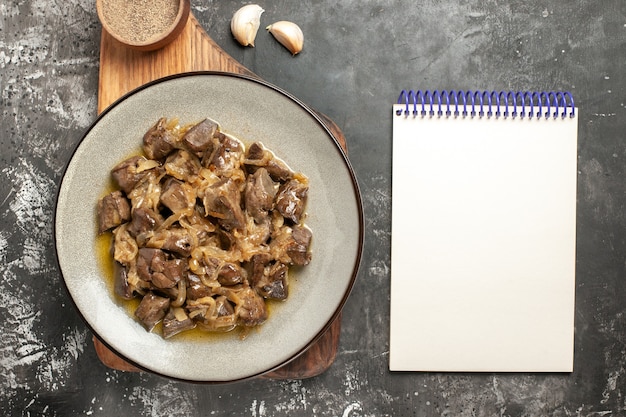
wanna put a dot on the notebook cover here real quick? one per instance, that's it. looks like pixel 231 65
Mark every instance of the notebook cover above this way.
pixel 483 243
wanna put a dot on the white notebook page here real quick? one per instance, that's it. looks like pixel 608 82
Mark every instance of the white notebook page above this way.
pixel 483 244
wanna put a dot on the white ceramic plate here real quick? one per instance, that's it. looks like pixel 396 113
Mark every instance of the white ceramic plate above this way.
pixel 252 111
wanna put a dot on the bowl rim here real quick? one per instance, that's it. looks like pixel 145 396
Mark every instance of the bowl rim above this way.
pixel 348 166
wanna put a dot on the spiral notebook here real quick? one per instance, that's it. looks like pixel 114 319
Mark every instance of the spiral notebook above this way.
pixel 483 231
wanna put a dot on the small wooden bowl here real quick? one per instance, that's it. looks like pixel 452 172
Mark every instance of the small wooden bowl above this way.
pixel 158 40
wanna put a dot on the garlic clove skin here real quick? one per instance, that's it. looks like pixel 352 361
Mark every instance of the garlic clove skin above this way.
pixel 288 34
pixel 245 23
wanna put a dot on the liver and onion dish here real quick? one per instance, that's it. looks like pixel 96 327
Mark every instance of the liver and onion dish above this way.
pixel 204 231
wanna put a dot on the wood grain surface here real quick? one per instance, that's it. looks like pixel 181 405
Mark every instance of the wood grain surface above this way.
pixel 123 69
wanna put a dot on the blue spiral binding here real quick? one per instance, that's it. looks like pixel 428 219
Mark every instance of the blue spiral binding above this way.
pixel 496 103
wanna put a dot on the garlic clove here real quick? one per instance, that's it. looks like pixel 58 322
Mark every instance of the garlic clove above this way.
pixel 245 23
pixel 288 34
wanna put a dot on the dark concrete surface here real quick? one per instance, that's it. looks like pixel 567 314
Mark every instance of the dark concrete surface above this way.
pixel 357 56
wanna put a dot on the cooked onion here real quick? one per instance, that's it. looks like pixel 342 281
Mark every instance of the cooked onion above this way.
pixel 182 294
pixel 207 227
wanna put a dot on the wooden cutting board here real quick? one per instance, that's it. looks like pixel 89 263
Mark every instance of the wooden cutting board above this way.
pixel 121 70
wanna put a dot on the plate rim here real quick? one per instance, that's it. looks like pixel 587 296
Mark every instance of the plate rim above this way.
pixel 355 188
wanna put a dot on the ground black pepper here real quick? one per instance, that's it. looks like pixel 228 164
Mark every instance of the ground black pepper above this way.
pixel 138 21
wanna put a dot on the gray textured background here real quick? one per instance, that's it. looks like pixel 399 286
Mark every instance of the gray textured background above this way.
pixel 358 55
